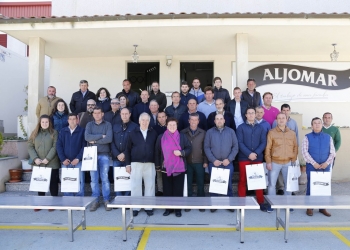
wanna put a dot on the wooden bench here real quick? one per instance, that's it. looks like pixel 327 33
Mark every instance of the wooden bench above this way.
pixel 238 203
pixel 304 202
pixel 49 202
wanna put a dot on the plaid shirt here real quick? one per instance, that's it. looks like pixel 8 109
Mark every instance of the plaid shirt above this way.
pixel 308 158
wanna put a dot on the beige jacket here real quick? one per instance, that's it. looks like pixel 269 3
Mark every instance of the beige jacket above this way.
pixel 45 106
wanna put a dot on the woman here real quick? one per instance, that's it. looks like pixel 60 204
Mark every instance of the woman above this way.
pixel 171 149
pixel 42 150
pixel 103 99
pixel 124 102
pixel 59 115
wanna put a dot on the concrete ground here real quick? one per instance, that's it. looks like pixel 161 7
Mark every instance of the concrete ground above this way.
pixel 104 231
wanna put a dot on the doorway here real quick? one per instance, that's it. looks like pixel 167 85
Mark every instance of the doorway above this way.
pixel 142 74
pixel 204 71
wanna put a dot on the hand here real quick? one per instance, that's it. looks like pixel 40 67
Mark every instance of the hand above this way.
pixel 177 152
pixel 103 136
pixel 158 168
pixel 317 166
pixel 128 169
pixel 252 156
pixel 45 161
pixel 66 162
pixel 205 165
pixel 217 163
pixel 37 161
pixel 75 162
pixel 269 166
pixel 293 163
pixel 226 162
pixel 324 165
pixel 92 142
pixel 121 157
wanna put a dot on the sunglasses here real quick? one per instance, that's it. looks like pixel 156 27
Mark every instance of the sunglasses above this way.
pixel 116 103
pixel 91 105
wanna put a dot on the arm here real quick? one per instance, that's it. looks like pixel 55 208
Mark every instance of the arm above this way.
pixel 72 104
pixel 187 146
pixel 268 148
pixel 31 150
pixel 263 141
pixel 234 149
pixel 163 103
pixel 128 151
pixel 89 136
pixel 82 145
pixel 331 153
pixel 38 107
pixel 115 151
pixel 207 149
pixel 304 150
pixel 60 148
pixel 158 152
pixel 337 140
pixel 295 149
pixel 297 133
pixel 51 154
pixel 108 136
pixel 242 147
pixel 227 97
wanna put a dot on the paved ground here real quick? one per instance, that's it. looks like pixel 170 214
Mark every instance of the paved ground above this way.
pixel 104 232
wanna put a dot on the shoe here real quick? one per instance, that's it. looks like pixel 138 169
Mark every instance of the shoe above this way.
pixel 51 210
pixel 266 208
pixel 213 210
pixel 135 213
pixel 291 210
pixel 167 212
pixel 37 210
pixel 293 193
pixel 309 212
pixel 231 210
pixel 94 206
pixel 159 193
pixel 202 210
pixel 178 214
pixel 107 208
pixel 149 212
pixel 324 212
pixel 187 210
pixel 280 192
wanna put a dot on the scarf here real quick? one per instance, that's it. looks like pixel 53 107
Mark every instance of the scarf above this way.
pixel 173 164
pixel 102 99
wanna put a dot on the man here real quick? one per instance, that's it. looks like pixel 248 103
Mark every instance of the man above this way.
pixel 81 97
pixel 176 109
pixel 250 95
pixel 219 91
pixel 259 113
pixel 132 96
pixel 192 108
pixel 141 107
pixel 86 117
pixel 196 161
pixel 270 112
pixel 237 107
pixel 281 151
pixel 47 103
pixel 333 131
pixel 221 147
pixel 318 151
pixel 113 116
pixel 229 120
pixel 121 132
pixel 161 123
pixel 196 90
pixel 208 105
pixel 185 95
pixel 153 112
pixel 70 148
pixel 156 94
pixel 139 160
pixel 99 133
pixel 252 142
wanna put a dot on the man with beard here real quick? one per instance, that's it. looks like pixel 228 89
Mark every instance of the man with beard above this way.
pixel 47 103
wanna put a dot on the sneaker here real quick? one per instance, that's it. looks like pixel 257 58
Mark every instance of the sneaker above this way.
pixel 280 192
pixel 266 208
pixel 269 209
pixel 94 206
pixel 291 210
pixel 107 208
pixel 149 212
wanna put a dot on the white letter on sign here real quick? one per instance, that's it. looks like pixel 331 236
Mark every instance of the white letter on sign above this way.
pixel 331 80
pixel 268 74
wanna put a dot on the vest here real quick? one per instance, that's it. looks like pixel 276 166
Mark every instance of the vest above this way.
pixel 319 146
pixel 254 100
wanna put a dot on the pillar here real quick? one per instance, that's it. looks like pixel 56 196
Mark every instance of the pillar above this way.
pixel 242 60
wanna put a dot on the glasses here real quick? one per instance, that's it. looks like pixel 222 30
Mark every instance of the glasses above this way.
pixel 92 105
pixel 116 103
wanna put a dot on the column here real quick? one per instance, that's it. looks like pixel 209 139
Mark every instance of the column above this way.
pixel 36 69
pixel 242 60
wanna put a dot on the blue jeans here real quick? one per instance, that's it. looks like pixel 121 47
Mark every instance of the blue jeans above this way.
pixel 117 163
pixel 82 181
pixel 273 176
pixel 102 171
pixel 229 189
pixel 309 169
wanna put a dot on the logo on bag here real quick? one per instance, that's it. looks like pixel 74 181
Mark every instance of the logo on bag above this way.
pixel 255 176
pixel 294 178
pixel 219 180
pixel 122 178
pixel 88 157
pixel 321 183
pixel 40 178
pixel 69 179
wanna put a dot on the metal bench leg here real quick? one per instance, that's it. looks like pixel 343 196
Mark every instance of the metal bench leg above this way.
pixel 83 225
pixel 131 224
pixel 124 223
pixel 238 220
pixel 242 225
pixel 70 225
pixel 286 229
pixel 278 211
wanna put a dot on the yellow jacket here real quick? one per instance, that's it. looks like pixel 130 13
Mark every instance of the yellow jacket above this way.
pixel 45 106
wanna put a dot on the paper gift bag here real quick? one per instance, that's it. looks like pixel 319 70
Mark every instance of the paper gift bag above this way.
pixel 219 180
pixel 185 187
pixel 89 162
pixel 40 180
pixel 292 179
pixel 122 179
pixel 266 174
pixel 70 179
pixel 320 183
pixel 255 176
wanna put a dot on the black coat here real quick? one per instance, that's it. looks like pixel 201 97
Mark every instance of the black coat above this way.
pixel 132 96
pixel 112 117
pixel 231 107
pixel 160 98
pixel 184 123
pixel 138 110
pixel 120 138
pixel 222 94
pixel 229 120
pixel 170 111
pixel 185 98
pixel 78 102
pixel 105 105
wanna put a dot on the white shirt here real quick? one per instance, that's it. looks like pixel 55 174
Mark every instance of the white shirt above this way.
pixel 72 130
pixel 238 115
pixel 144 133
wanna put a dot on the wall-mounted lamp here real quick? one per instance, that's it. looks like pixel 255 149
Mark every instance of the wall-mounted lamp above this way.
pixel 334 55
pixel 135 56
pixel 169 60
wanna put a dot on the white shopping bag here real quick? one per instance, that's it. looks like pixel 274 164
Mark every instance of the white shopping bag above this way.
pixel 292 178
pixel 266 174
pixel 298 171
pixel 219 180
pixel 185 187
pixel 320 183
pixel 40 181
pixel 70 180
pixel 255 176
pixel 89 162
pixel 122 179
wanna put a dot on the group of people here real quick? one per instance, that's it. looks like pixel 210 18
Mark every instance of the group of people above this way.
pixel 158 144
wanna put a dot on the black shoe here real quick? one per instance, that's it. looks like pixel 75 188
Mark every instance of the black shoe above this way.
pixel 167 212
pixel 280 192
pixel 178 214
pixel 201 210
pixel 159 193
pixel 135 213
pixel 231 210
pixel 213 210
pixel 187 210
pixel 293 193
pixel 149 212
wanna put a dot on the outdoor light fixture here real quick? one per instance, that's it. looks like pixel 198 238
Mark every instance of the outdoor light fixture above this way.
pixel 135 56
pixel 334 55
pixel 169 60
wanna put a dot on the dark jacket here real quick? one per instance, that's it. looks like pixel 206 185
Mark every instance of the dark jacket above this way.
pixel 71 146
pixel 186 149
pixel 159 128
pixel 95 132
pixel 112 117
pixel 170 111
pixel 231 107
pixel 153 121
pixel 222 94
pixel 85 118
pixel 105 105
pixel 140 150
pixel 133 97
pixel 120 137
pixel 160 98
pixel 229 120
pixel 185 98
pixel 251 139
pixel 197 140
pixel 59 121
pixel 138 110
pixel 253 101
pixel 183 121
pixel 78 102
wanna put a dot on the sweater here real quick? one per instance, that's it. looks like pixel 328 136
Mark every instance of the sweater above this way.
pixel 46 105
pixel 78 102
pixel 71 146
pixel 184 123
pixel 160 98
pixel 199 94
pixel 270 114
pixel 229 120
pixel 95 132
pixel 335 134
pixel 221 93
pixel 206 108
